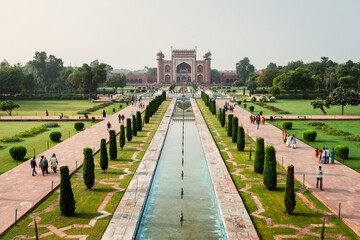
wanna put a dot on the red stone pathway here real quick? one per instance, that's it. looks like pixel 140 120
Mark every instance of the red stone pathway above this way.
pixel 19 190
pixel 341 183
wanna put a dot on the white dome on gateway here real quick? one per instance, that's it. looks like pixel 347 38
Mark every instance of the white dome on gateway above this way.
pixel 183 68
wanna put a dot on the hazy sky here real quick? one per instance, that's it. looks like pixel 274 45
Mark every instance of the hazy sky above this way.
pixel 128 33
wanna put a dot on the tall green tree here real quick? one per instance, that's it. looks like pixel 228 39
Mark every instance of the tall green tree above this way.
pixel 128 130
pixel 134 126
pixel 11 79
pixel 271 65
pixel 86 79
pixel 104 160
pixel 289 199
pixel 46 69
pixel 112 145
pixel 116 80
pixel 267 77
pixel 88 168
pixel 259 156
pixel 348 82
pixel 138 121
pixel 67 202
pixel 244 68
pixel 343 97
pixel 235 124
pixel 147 114
pixel 270 175
pixel 152 72
pixel 122 136
pixel 223 117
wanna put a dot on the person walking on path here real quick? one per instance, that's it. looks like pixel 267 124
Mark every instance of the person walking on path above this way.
pixel 332 155
pixel 123 118
pixel 108 126
pixel 257 121
pixel 33 166
pixel 131 114
pixel 263 120
pixel 53 163
pixel 288 140
pixel 104 113
pixel 323 156
pixel 44 165
pixel 119 117
pixel 46 113
pixel 327 156
pixel 319 178
pixel 293 141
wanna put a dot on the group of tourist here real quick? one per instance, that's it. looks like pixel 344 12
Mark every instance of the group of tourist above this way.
pixel 289 140
pixel 44 164
pixel 121 118
pixel 257 119
pixel 229 107
pixel 325 156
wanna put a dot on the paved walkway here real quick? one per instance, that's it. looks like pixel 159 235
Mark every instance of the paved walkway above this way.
pixel 19 190
pixel 341 183
pixel 314 117
pixel 49 118
pixel 237 222
pixel 124 220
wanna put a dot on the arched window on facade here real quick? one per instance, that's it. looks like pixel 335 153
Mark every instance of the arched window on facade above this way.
pixel 167 68
pixel 183 68
pixel 167 78
pixel 200 68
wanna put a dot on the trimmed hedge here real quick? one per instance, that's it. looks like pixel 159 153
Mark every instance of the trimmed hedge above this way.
pixel 223 117
pixel 88 168
pixel 128 130
pixel 112 145
pixel 229 128
pixel 79 126
pixel 342 151
pixel 289 199
pixel 67 202
pixel 241 139
pixel 55 136
pixel 134 125
pixel 138 121
pixel 310 135
pixel 259 156
pixel 251 108
pixel 287 125
pixel 270 175
pixel 18 152
pixel 122 136
pixel 235 124
pixel 104 160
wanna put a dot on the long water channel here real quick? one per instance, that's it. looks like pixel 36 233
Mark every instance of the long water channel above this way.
pixel 181 187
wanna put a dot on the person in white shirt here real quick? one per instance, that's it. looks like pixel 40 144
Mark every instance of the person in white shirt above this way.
pixel 53 163
pixel 319 176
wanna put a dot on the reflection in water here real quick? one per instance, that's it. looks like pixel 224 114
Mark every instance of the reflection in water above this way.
pixel 198 209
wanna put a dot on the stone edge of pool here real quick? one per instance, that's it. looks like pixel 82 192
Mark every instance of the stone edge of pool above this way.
pixel 236 220
pixel 123 223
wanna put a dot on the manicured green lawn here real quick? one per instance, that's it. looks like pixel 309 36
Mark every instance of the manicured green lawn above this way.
pixel 301 107
pixel 325 140
pixel 56 107
pixel 38 142
pixel 88 202
pixel 272 201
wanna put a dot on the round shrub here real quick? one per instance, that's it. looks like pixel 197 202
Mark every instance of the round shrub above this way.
pixel 251 108
pixel 271 118
pixel 79 126
pixel 245 105
pixel 263 98
pixel 310 135
pixel 287 125
pixel 272 99
pixel 17 152
pixel 93 119
pixel 253 99
pixel 55 136
pixel 342 151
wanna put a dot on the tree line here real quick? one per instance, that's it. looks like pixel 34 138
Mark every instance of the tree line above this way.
pixel 47 73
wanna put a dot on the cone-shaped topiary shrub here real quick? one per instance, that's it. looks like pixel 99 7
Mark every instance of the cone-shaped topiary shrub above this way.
pixel 223 116
pixel 88 168
pixel 240 139
pixel 270 177
pixel 147 114
pixel 79 126
pixel 67 202
pixel 220 115
pixel 138 121
pixel 18 152
pixel 55 136
pixel 134 126
pixel 235 124
pixel 229 129
pixel 112 145
pixel 289 200
pixel 104 160
pixel 122 136
pixel 128 130
pixel 259 156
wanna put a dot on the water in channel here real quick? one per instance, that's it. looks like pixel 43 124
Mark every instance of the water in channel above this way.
pixel 173 176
